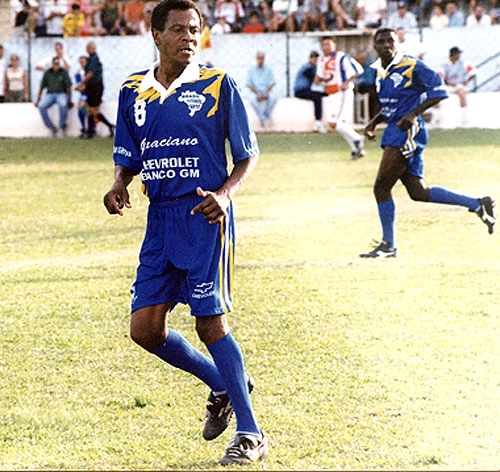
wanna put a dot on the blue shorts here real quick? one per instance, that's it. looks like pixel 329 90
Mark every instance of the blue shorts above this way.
pixel 410 142
pixel 184 259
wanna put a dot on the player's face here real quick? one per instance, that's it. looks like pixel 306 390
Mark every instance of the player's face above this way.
pixel 327 46
pixel 178 42
pixel 386 45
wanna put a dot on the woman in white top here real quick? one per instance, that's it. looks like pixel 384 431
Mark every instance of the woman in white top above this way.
pixel 16 82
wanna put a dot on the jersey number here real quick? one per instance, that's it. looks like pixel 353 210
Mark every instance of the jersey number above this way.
pixel 140 112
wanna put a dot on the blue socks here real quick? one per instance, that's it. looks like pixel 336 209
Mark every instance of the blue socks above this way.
pixel 444 196
pixel 177 352
pixel 229 361
pixel 387 215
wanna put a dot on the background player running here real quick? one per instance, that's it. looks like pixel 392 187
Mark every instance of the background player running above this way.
pixel 401 81
pixel 172 126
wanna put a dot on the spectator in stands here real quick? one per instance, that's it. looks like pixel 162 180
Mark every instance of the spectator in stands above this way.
pixel 494 12
pixel 86 9
pixel 302 89
pixel 54 12
pixel 455 16
pixel 92 85
pixel 206 8
pixel 457 74
pixel 232 11
pixel 59 53
pixel 3 68
pixel 133 14
pixel 315 12
pixel 342 18
pixel 16 82
pixel 411 46
pixel 221 26
pixel 25 19
pixel 283 16
pixel 81 106
pixel 73 22
pixel 402 18
pixel 110 13
pixel 145 24
pixel 40 28
pixel 438 19
pixel 57 85
pixel 260 81
pixel 478 18
pixel 365 83
pixel 254 24
pixel 337 72
pixel 370 13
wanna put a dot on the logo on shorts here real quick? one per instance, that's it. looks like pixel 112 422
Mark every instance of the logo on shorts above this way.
pixel 203 290
pixel 193 100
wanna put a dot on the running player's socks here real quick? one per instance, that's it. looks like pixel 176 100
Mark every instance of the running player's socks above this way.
pixel 178 352
pixel 446 197
pixel 229 360
pixel 387 214
pixel 348 133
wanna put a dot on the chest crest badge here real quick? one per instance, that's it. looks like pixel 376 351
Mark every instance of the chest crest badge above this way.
pixel 193 100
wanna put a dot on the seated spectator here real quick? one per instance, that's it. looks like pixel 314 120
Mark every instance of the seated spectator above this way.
pixel 494 12
pixel 478 18
pixel 16 82
pixel 315 12
pixel 86 9
pixel 25 19
pixel 232 11
pixel 341 17
pixel 455 16
pixel 221 26
pixel 254 25
pixel 133 14
pixel 457 74
pixel 402 18
pixel 109 12
pixel 283 16
pixel 438 19
pixel 145 24
pixel 54 13
pixel 411 46
pixel 73 22
pixel 370 13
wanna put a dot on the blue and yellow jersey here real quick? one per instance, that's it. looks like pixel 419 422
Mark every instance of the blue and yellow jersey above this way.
pixel 176 138
pixel 404 84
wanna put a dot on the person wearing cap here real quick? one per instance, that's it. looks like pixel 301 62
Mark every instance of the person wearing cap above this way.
pixel 457 74
pixel 302 89
pixel 402 18
pixel 406 88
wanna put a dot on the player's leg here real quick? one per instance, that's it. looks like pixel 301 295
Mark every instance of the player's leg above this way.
pixel 391 168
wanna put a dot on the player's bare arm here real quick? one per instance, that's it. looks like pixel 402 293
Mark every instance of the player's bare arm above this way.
pixel 215 204
pixel 408 120
pixel 118 197
pixel 369 130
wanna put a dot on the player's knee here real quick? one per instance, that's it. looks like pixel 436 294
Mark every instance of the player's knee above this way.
pixel 147 339
pixel 211 328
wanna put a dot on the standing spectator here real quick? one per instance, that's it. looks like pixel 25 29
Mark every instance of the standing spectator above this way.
pixel 411 46
pixel 254 25
pixel 187 253
pixel 365 83
pixel 57 85
pixel 232 11
pixel 315 13
pixel 337 72
pixel 92 85
pixel 402 18
pixel 64 60
pixel 478 18
pixel 73 22
pixel 81 104
pixel 406 89
pixel 134 14
pixel 110 13
pixel 3 69
pixel 145 24
pixel 455 16
pixel 302 89
pixel 370 13
pixel 54 13
pixel 457 74
pixel 16 82
pixel 261 82
pixel 283 16
pixel 438 19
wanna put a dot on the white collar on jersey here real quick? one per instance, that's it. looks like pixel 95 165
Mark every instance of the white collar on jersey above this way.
pixel 378 63
pixel 190 73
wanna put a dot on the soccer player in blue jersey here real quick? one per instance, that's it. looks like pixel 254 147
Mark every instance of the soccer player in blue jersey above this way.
pixel 401 83
pixel 172 127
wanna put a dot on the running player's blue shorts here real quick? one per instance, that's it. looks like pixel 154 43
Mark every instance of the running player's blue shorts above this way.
pixel 184 259
pixel 411 142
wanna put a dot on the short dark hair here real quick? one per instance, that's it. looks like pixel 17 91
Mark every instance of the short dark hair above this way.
pixel 383 29
pixel 160 13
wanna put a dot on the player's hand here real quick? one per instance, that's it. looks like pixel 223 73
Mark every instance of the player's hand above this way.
pixel 407 121
pixel 213 207
pixel 116 199
pixel 369 132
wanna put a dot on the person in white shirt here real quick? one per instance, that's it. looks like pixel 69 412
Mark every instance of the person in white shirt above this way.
pixel 478 18
pixel 402 18
pixel 54 13
pixel 370 13
pixel 64 60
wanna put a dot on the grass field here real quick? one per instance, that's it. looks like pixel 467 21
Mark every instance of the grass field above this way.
pixel 359 364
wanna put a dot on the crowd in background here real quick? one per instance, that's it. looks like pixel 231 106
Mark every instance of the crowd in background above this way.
pixel 65 18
